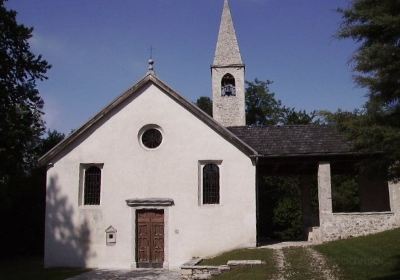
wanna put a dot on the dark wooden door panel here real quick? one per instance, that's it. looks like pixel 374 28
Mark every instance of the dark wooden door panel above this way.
pixel 150 238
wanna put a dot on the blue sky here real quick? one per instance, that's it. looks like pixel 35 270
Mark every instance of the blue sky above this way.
pixel 99 48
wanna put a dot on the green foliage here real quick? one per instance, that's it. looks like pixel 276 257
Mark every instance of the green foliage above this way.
pixel 375 25
pixel 345 193
pixel 262 108
pixel 23 199
pixel 20 104
pixel 293 117
pixel 287 219
pixel 22 185
pixel 280 207
pixel 370 134
pixel 205 104
pixel 46 144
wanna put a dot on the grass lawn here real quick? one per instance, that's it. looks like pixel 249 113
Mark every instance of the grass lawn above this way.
pixel 374 257
pixel 32 268
pixel 258 272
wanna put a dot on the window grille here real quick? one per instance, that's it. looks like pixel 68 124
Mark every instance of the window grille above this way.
pixel 152 138
pixel 92 186
pixel 211 184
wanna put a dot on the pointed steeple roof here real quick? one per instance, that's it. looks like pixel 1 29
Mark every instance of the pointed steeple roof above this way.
pixel 227 51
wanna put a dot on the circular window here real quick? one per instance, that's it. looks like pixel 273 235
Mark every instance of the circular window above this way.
pixel 152 138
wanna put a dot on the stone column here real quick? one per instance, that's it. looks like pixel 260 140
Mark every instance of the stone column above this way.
pixel 326 227
pixel 324 188
pixel 394 195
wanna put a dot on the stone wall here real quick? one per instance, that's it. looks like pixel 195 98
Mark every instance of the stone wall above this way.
pixel 334 226
pixel 345 225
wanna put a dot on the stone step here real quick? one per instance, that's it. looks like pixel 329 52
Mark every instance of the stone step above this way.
pixel 202 276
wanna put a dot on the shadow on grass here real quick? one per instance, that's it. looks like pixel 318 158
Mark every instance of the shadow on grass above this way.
pixel 394 274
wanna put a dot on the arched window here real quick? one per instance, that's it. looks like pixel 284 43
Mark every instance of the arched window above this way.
pixel 211 184
pixel 228 85
pixel 92 186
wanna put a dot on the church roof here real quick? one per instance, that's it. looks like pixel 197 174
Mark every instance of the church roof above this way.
pixel 227 51
pixel 294 140
pixel 150 78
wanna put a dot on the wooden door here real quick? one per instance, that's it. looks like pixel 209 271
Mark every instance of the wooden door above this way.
pixel 150 238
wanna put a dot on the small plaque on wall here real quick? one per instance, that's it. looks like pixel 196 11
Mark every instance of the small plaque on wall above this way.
pixel 111 236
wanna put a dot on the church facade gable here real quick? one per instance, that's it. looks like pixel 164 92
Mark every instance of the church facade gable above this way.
pixel 151 162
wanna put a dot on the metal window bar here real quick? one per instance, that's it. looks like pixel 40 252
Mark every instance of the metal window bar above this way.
pixel 211 184
pixel 92 186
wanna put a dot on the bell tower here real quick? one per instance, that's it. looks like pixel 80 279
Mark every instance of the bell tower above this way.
pixel 227 74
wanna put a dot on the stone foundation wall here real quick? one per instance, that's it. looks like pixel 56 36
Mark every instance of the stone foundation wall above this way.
pixel 345 225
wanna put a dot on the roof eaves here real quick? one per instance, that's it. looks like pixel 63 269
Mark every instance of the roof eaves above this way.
pixel 318 154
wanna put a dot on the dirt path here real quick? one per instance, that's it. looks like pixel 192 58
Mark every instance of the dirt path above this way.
pixel 298 260
pixel 319 264
pixel 280 263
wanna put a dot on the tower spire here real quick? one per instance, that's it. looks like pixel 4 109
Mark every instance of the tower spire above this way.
pixel 227 51
pixel 227 74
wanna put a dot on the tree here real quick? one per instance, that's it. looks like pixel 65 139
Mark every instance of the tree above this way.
pixel 293 117
pixel 205 104
pixel 375 25
pixel 21 128
pixel 21 106
pixel 262 108
pixel 46 144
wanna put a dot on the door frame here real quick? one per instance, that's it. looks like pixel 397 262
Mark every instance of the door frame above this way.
pixel 134 232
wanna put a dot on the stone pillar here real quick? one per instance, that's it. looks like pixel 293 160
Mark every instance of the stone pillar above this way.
pixel 394 195
pixel 326 227
pixel 324 188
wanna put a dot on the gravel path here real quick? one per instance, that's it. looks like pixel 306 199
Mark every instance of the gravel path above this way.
pixel 280 263
pixel 319 264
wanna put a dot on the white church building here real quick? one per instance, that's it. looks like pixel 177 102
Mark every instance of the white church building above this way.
pixel 153 181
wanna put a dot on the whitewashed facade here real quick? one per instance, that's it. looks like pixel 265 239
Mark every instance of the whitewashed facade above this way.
pixel 75 233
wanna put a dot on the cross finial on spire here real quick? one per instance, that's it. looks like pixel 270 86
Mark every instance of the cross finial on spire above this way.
pixel 151 63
